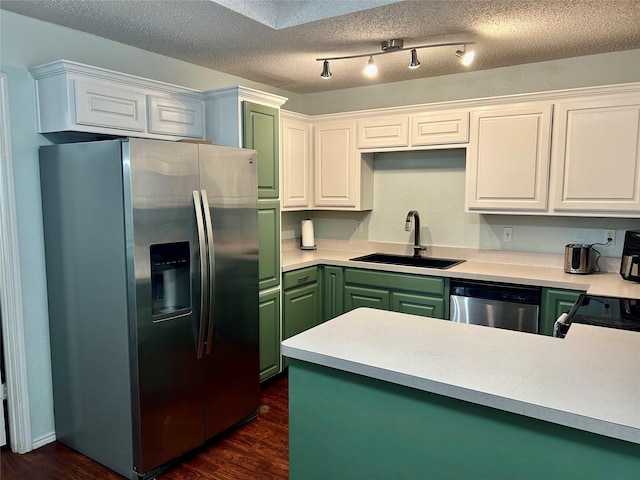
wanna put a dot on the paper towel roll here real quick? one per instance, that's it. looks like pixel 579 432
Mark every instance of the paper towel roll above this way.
pixel 308 241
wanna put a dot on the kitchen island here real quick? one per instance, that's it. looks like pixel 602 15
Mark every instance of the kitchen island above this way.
pixel 378 394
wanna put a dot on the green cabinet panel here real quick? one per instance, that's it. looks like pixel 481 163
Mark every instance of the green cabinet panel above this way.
pixel 332 292
pixel 269 243
pixel 554 303
pixel 262 133
pixel 356 297
pixel 417 304
pixel 406 293
pixel 269 334
pixel 301 309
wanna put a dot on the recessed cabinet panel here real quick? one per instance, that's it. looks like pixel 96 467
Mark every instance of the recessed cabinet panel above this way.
pixel 434 129
pixel 175 116
pixel 508 159
pixel 335 168
pixel 105 105
pixel 597 155
pixel 269 243
pixel 296 164
pixel 262 134
pixel 386 132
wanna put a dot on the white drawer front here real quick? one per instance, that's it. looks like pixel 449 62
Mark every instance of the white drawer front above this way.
pixel 433 129
pixel 103 105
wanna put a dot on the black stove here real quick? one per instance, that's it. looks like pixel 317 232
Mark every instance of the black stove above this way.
pixel 612 312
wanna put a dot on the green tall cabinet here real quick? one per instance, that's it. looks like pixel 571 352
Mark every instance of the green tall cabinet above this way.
pixel 244 117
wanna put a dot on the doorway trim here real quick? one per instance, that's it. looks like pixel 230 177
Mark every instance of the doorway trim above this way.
pixel 11 292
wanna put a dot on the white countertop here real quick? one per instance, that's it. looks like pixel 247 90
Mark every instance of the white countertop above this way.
pixel 605 284
pixel 589 380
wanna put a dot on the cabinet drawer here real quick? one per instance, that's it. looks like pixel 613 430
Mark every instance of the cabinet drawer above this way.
pixel 395 281
pixel 300 277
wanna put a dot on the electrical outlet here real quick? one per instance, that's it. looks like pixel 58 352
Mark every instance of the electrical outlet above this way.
pixel 610 234
pixel 507 234
pixel 359 227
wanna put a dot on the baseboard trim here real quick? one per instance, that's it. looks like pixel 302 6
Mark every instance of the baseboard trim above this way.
pixel 43 440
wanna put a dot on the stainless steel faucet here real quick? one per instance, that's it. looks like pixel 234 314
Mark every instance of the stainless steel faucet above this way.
pixel 417 248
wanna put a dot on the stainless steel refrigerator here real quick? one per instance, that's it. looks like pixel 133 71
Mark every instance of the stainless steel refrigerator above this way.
pixel 152 275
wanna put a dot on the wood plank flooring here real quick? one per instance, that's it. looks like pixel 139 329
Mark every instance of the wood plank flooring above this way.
pixel 257 451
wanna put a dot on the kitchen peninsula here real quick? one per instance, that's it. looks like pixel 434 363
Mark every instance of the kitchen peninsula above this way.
pixel 378 394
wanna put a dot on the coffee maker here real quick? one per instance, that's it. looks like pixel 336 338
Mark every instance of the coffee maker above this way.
pixel 630 265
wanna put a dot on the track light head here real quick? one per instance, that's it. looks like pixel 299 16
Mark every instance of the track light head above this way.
pixel 371 70
pixel 326 74
pixel 414 59
pixel 466 58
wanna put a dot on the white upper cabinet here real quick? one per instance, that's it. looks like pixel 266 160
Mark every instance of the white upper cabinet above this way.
pixel 383 132
pixel 343 177
pixel 297 162
pixel 80 98
pixel 596 155
pixel 439 128
pixel 508 159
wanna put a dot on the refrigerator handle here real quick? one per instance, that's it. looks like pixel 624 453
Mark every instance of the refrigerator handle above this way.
pixel 204 289
pixel 212 267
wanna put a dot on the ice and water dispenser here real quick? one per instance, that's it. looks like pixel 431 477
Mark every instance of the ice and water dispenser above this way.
pixel 170 280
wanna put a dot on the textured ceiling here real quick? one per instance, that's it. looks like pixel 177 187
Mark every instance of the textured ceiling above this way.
pixel 277 42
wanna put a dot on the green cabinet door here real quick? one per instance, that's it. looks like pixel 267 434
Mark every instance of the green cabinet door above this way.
pixel 356 297
pixel 269 334
pixel 301 309
pixel 416 304
pixel 269 243
pixel 262 133
pixel 554 303
pixel 332 292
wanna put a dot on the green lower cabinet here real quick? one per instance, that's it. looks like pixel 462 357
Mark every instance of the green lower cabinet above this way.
pixel 554 303
pixel 332 287
pixel 417 305
pixel 301 309
pixel 269 334
pixel 405 293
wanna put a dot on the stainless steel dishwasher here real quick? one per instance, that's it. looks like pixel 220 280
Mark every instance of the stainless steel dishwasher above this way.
pixel 500 305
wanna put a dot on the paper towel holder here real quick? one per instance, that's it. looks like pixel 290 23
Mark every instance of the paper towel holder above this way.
pixel 306 228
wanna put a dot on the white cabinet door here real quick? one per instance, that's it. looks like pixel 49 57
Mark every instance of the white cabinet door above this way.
pixel 297 167
pixel 508 159
pixel 439 128
pixel 107 105
pixel 383 132
pixel 343 177
pixel 596 155
pixel 175 116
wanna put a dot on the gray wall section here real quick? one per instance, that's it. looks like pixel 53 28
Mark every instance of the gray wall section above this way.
pixel 25 42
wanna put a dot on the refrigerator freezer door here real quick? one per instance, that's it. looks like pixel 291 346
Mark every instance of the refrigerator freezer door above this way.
pixel 163 247
pixel 228 178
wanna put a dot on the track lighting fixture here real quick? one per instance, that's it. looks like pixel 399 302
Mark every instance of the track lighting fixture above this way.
pixel 326 74
pixel 397 45
pixel 466 58
pixel 371 70
pixel 414 59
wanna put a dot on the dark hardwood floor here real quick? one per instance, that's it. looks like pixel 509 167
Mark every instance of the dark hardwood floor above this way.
pixel 258 450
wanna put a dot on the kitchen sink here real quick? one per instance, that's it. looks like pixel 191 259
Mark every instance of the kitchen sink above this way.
pixel 428 262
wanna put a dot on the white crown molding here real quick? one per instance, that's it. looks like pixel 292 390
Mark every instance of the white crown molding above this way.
pixel 11 293
pixel 246 93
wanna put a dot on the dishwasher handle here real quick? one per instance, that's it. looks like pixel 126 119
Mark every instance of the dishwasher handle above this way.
pixel 496 291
